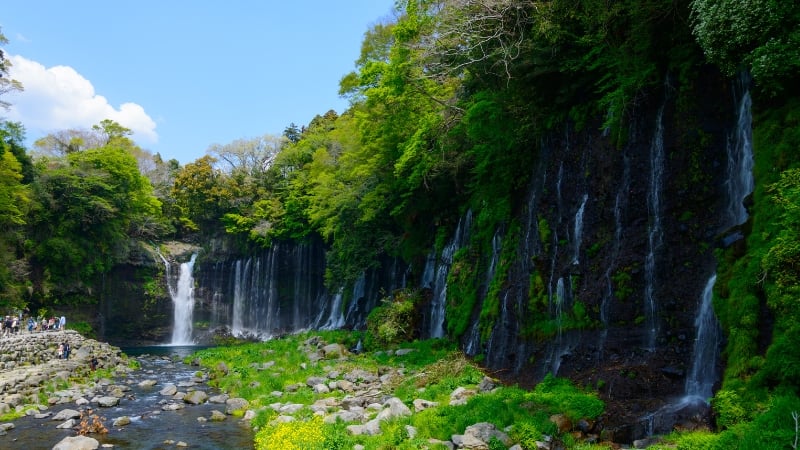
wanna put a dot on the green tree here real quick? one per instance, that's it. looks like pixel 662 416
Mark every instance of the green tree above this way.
pixel 201 196
pixel 14 201
pixel 90 205
pixel 762 36
pixel 7 84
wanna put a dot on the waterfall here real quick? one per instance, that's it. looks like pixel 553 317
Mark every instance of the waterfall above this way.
pixel 739 185
pixel 436 272
pixel 559 347
pixel 740 182
pixel 620 202
pixel 354 313
pixel 183 303
pixel 336 317
pixel 655 233
pixel 579 231
pixel 703 374
pixel 237 324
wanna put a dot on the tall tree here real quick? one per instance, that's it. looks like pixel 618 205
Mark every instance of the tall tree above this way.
pixel 90 207
pixel 7 84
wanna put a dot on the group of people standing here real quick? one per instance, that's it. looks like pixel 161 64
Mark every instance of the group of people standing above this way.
pixel 11 324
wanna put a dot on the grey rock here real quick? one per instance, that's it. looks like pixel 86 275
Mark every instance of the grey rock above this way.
pixel 108 401
pixel 235 404
pixel 421 404
pixel 169 389
pixel 77 443
pixel 67 424
pixel 222 398
pixel 195 397
pixel 121 421
pixel 65 414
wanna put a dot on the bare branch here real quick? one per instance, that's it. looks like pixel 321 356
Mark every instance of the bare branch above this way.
pixel 477 31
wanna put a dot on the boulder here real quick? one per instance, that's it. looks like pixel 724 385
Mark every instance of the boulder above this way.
pixel 77 443
pixel 232 405
pixel 108 401
pixel 169 389
pixel 65 414
pixel 148 383
pixel 121 421
pixel 195 397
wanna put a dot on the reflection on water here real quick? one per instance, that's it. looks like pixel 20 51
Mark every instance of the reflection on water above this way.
pixel 150 427
pixel 173 351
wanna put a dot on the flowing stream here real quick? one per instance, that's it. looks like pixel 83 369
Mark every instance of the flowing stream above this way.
pixel 150 426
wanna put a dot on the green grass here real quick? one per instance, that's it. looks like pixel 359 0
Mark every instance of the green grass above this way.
pixel 432 371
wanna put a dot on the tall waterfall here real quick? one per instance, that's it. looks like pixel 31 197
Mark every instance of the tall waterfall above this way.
pixel 655 234
pixel 183 303
pixel 739 185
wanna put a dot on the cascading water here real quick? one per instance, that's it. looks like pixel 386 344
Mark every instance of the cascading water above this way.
pixel 473 343
pixel 655 235
pixel 255 302
pixel 183 303
pixel 335 319
pixel 442 269
pixel 739 185
pixel 703 374
pixel 578 231
pixel 620 202
pixel 740 181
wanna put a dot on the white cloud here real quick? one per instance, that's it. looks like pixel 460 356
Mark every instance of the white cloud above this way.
pixel 59 98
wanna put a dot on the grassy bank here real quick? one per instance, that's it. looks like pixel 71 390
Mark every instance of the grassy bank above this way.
pixel 268 372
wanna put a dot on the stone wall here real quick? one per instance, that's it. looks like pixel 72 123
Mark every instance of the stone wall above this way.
pixel 29 362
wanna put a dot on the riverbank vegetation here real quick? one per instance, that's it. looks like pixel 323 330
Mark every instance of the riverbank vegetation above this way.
pixel 432 370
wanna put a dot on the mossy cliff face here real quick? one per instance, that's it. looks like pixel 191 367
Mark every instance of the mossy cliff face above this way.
pixel 600 274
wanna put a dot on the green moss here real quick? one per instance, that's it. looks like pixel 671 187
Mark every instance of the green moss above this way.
pixel 622 284
pixel 462 290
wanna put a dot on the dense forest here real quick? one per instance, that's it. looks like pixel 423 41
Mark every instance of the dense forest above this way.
pixel 453 106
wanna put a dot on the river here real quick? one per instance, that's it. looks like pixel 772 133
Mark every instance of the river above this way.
pixel 150 427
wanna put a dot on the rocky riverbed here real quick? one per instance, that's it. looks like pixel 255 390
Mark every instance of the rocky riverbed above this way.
pixel 143 402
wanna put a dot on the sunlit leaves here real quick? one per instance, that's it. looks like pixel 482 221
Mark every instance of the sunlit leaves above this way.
pixel 88 206
pixel 762 36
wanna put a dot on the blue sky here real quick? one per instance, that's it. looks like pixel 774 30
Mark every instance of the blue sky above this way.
pixel 183 75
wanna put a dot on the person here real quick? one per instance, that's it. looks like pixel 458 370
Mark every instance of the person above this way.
pixel 60 351
pixel 62 323
pixel 93 363
pixel 31 324
pixel 66 350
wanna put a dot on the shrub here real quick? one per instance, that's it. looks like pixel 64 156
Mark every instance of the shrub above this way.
pixel 561 396
pixel 298 435
pixel 729 408
pixel 394 321
pixel 700 440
